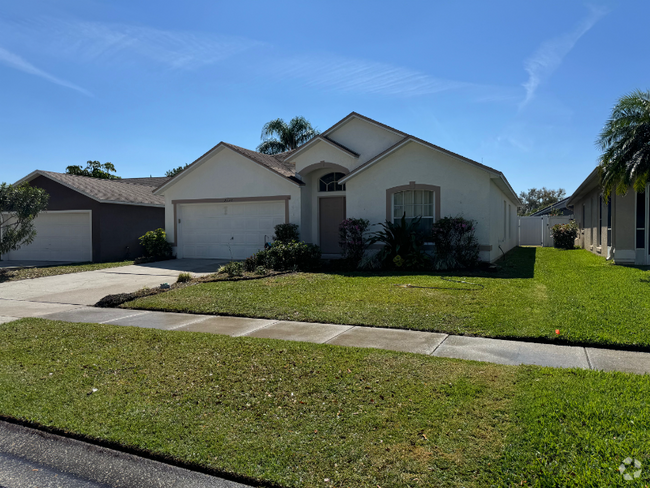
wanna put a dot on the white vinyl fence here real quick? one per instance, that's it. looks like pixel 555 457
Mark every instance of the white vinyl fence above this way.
pixel 536 231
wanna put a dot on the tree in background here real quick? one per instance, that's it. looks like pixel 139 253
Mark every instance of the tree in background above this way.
pixel 535 199
pixel 173 172
pixel 278 136
pixel 19 206
pixel 625 142
pixel 94 169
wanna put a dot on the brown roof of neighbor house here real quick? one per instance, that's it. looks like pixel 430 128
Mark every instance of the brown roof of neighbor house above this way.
pixel 105 191
pixel 154 181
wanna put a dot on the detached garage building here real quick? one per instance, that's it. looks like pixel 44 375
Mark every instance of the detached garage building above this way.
pixel 91 219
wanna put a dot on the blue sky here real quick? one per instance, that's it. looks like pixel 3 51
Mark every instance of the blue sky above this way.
pixel 524 87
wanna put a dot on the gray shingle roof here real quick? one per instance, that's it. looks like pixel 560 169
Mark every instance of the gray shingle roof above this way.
pixel 154 181
pixel 113 191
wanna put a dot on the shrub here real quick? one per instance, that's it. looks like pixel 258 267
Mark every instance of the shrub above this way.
pixel 233 268
pixel 402 244
pixel 184 278
pixel 286 233
pixel 564 235
pixel 456 246
pixel 155 245
pixel 250 263
pixel 291 255
pixel 260 270
pixel 351 239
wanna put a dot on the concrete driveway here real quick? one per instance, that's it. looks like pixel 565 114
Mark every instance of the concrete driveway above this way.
pixel 40 296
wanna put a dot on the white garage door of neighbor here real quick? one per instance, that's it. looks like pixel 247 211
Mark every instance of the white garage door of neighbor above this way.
pixel 227 230
pixel 60 236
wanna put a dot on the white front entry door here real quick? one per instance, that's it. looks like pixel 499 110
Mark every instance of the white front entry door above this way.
pixel 227 230
pixel 60 236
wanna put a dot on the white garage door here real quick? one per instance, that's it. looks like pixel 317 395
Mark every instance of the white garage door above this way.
pixel 227 230
pixel 60 236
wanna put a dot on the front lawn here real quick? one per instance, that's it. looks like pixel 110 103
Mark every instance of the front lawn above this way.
pixel 16 274
pixel 308 415
pixel 536 291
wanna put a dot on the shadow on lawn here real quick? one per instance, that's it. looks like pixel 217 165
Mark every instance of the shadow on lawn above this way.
pixel 517 263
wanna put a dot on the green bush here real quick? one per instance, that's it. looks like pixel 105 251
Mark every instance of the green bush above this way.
pixel 260 270
pixel 286 233
pixel 291 255
pixel 456 246
pixel 233 268
pixel 250 263
pixel 564 235
pixel 402 244
pixel 154 244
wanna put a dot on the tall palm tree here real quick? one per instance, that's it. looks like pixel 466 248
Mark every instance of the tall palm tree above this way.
pixel 625 142
pixel 278 136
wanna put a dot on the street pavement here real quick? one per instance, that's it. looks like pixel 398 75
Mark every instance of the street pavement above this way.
pixel 32 458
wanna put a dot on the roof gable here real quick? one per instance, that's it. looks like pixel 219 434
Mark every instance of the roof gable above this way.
pixel 277 164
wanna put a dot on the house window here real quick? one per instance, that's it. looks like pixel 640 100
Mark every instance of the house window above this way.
pixel 609 221
pixel 640 220
pixel 600 221
pixel 412 204
pixel 330 182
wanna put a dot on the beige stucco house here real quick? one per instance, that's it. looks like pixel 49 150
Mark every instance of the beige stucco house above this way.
pixel 226 203
pixel 618 229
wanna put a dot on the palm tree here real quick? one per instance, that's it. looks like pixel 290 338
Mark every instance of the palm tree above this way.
pixel 625 141
pixel 278 136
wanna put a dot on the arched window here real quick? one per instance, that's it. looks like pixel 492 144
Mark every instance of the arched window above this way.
pixel 330 182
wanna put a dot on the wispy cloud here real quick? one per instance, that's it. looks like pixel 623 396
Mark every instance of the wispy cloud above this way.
pixel 14 61
pixel 550 54
pixel 123 43
pixel 361 76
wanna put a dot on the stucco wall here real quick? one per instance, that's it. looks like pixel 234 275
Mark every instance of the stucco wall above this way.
pixel 503 223
pixel 465 190
pixel 310 230
pixel 364 138
pixel 227 174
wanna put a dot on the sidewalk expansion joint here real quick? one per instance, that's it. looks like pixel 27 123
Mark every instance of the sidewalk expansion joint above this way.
pixel 127 317
pixel 350 327
pixel 200 319
pixel 588 360
pixel 438 346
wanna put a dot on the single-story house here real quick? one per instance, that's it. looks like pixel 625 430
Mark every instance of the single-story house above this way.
pixel 91 219
pixel 618 229
pixel 227 202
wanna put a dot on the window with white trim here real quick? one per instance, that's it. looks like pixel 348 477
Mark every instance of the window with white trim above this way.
pixel 330 182
pixel 413 204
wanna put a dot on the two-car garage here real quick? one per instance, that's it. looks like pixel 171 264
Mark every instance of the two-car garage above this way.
pixel 226 228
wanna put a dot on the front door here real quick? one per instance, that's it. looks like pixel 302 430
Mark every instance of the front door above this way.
pixel 331 212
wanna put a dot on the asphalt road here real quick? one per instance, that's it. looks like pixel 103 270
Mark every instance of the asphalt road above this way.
pixel 30 458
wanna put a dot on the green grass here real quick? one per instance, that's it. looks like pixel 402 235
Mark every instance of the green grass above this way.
pixel 39 272
pixel 537 291
pixel 296 414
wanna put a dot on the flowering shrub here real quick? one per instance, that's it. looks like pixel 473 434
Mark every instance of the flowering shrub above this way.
pixel 351 239
pixel 456 246
pixel 564 235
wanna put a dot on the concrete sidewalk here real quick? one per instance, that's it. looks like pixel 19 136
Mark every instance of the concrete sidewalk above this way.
pixel 429 343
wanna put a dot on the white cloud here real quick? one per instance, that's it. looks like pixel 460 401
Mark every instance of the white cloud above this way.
pixel 361 76
pixel 550 54
pixel 14 61
pixel 123 43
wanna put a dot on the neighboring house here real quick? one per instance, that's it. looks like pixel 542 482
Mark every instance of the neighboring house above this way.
pixel 226 203
pixel 558 208
pixel 618 229
pixel 92 219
